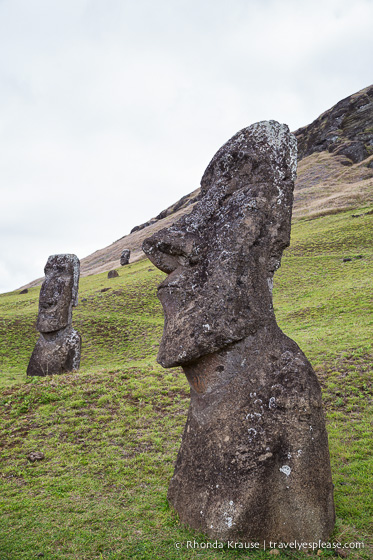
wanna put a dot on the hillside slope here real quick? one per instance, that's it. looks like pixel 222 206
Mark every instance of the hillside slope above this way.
pixel 110 433
pixel 346 129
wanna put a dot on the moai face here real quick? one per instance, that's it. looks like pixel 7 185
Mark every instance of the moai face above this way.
pixel 59 293
pixel 220 258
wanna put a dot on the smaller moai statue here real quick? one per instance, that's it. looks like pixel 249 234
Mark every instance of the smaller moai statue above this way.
pixel 125 257
pixel 58 348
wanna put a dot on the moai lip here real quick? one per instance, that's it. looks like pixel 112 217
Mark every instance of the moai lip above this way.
pixel 254 460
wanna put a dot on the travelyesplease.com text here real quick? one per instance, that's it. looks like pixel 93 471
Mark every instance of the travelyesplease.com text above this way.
pixel 295 545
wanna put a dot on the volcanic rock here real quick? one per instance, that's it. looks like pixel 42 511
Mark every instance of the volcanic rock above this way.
pixel 345 129
pixel 35 456
pixel 254 459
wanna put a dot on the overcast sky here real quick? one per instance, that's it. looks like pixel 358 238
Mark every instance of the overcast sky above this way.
pixel 110 110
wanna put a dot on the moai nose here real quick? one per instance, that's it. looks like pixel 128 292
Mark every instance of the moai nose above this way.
pixel 48 293
pixel 168 250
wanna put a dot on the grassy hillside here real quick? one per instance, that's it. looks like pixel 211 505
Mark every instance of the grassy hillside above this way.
pixel 110 433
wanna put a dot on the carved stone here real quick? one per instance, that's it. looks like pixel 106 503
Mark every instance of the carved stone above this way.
pixel 125 257
pixel 59 345
pixel 254 459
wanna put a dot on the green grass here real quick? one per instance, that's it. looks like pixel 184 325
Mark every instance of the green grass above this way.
pixel 110 433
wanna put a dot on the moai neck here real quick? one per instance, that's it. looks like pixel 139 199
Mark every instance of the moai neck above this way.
pixel 211 373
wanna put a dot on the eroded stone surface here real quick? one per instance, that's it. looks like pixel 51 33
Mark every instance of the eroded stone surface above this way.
pixel 58 347
pixel 254 459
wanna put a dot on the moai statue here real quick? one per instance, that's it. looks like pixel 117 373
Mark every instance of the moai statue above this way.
pixel 125 257
pixel 254 459
pixel 58 348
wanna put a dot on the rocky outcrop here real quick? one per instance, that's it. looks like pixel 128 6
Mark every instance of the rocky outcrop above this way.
pixel 346 129
pixel 254 459
pixel 59 345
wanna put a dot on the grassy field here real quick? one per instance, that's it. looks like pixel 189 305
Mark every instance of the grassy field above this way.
pixel 110 433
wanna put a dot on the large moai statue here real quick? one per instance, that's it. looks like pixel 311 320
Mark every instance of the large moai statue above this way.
pixel 254 459
pixel 58 348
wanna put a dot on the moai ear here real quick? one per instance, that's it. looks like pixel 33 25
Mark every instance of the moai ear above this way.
pixel 76 275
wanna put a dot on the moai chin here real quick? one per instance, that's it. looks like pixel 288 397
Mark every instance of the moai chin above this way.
pixel 254 459
pixel 58 348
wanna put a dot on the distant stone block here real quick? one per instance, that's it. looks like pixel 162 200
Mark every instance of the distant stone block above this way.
pixel 125 257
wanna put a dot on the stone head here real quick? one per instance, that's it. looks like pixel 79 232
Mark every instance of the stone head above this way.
pixel 59 293
pixel 125 257
pixel 220 258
